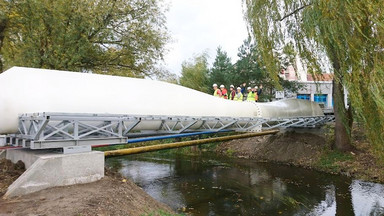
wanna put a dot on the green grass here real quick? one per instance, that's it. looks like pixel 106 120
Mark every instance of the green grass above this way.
pixel 329 159
pixel 230 152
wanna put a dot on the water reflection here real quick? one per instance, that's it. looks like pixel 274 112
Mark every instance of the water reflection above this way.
pixel 326 206
pixel 211 186
pixel 367 198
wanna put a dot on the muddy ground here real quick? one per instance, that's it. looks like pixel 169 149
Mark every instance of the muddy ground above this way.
pixel 113 195
pixel 9 172
pixel 311 151
pixel 290 147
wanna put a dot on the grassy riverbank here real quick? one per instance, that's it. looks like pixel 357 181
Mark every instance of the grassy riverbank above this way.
pixel 311 151
pixel 360 163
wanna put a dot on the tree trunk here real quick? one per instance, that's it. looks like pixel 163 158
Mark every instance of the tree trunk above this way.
pixel 343 119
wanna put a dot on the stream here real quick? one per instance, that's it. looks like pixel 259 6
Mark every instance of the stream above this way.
pixel 210 185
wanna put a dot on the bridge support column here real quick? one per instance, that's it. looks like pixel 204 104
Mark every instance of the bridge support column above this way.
pixel 45 169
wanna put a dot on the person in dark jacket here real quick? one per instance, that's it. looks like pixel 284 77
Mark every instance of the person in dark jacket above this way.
pixel 232 92
pixel 243 88
pixel 260 90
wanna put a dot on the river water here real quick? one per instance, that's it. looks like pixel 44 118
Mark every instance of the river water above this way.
pixel 209 185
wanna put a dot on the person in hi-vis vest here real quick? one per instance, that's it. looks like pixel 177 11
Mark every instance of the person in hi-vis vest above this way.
pixel 256 94
pixel 251 94
pixel 224 92
pixel 239 95
pixel 217 92
pixel 232 92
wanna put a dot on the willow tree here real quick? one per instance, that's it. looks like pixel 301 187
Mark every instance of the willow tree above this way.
pixel 124 37
pixel 345 37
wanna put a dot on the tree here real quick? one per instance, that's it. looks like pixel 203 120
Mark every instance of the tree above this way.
pixel 123 37
pixel 4 10
pixel 168 77
pixel 247 68
pixel 288 56
pixel 194 73
pixel 221 69
pixel 346 36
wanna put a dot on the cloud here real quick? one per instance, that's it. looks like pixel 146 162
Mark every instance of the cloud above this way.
pixel 198 25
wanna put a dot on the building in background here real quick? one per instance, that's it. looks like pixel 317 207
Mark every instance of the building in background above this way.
pixel 317 89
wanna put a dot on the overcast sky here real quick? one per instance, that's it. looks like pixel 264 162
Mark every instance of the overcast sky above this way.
pixel 199 25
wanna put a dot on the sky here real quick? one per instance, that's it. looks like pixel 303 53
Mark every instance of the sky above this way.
pixel 203 25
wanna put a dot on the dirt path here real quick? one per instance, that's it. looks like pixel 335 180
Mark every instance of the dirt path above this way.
pixel 112 195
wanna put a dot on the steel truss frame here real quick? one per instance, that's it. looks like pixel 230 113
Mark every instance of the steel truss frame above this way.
pixel 59 130
pixel 298 122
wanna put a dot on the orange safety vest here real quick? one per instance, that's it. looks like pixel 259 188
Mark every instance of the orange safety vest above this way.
pixel 217 93
pixel 224 93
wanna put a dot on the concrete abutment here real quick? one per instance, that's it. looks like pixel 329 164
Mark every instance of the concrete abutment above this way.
pixel 46 169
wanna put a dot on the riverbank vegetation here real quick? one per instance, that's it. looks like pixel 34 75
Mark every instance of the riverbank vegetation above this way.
pixel 312 151
pixel 361 162
pixel 342 37
pixel 185 150
pixel 308 148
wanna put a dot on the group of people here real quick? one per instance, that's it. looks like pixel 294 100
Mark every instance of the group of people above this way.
pixel 240 94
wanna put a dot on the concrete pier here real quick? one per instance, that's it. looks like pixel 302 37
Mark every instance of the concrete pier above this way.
pixel 45 169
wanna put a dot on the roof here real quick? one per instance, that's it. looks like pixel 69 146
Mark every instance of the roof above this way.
pixel 320 77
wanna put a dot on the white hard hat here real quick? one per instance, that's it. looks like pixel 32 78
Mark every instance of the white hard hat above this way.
pixel 221 86
pixel 231 86
pixel 215 85
pixel 238 88
pixel 249 88
pixel 256 87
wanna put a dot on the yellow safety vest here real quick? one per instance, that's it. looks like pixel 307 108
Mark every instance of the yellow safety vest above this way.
pixel 216 94
pixel 238 97
pixel 251 96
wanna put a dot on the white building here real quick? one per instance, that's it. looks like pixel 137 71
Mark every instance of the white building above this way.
pixel 319 91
